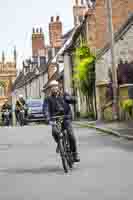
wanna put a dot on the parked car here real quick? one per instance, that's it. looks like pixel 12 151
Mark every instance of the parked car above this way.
pixel 35 110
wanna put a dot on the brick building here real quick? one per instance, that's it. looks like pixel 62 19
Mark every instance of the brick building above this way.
pixel 8 73
pixel 97 20
pixel 38 70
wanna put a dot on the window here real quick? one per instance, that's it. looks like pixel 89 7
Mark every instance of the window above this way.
pixel 2 92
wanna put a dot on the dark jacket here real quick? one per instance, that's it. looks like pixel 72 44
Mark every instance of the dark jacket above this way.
pixel 59 105
pixel 6 107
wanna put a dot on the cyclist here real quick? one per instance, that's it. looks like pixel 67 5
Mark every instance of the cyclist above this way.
pixel 6 106
pixel 59 104
pixel 20 104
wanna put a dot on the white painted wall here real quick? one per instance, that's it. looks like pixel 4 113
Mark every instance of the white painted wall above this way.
pixel 33 87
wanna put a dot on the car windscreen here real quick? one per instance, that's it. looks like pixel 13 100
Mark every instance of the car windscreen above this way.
pixel 34 104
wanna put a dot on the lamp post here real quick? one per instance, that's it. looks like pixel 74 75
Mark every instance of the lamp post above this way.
pixel 25 86
pixel 112 50
pixel 38 74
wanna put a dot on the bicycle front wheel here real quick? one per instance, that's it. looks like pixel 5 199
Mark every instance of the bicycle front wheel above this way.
pixel 63 157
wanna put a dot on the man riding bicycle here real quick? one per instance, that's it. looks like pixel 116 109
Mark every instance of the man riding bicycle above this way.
pixel 20 104
pixel 59 105
pixel 6 106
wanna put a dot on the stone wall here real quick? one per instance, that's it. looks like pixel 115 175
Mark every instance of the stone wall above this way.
pixel 123 50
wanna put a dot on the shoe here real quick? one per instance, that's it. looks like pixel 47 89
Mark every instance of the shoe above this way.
pixel 76 157
pixel 57 149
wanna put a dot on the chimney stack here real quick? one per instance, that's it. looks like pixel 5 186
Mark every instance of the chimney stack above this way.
pixel 55 32
pixel 38 42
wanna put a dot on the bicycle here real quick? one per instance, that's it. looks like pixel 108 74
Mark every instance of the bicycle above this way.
pixel 64 144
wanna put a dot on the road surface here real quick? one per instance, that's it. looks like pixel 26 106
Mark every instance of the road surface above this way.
pixel 31 170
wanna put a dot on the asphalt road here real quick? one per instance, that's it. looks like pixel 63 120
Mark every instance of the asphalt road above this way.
pixel 31 170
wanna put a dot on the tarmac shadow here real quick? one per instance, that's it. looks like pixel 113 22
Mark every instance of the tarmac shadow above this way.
pixel 43 170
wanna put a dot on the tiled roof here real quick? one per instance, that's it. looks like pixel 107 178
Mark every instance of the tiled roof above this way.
pixel 67 35
pixel 23 79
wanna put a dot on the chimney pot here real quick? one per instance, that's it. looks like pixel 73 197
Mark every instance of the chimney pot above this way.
pixel 33 30
pixel 37 30
pixel 76 1
pixel 57 18
pixel 52 19
pixel 82 2
pixel 40 30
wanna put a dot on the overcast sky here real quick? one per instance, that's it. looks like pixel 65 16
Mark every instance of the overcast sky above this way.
pixel 18 17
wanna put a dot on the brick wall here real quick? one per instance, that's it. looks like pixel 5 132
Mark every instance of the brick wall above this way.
pixel 91 28
pixel 130 5
pixel 98 36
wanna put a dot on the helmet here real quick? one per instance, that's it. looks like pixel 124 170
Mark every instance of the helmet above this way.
pixel 20 96
pixel 54 83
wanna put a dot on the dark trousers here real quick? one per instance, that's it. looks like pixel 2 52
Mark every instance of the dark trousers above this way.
pixel 10 116
pixel 17 114
pixel 72 139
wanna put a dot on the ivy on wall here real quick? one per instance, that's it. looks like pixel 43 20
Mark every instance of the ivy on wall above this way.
pixel 84 73
pixel 2 83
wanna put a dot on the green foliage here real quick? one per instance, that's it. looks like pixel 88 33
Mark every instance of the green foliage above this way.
pixel 83 52
pixel 87 115
pixel 2 83
pixel 127 105
pixel 84 70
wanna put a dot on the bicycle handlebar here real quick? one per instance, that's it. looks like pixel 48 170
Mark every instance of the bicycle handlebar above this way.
pixel 60 117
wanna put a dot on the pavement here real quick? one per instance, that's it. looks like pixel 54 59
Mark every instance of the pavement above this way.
pixel 31 170
pixel 120 129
